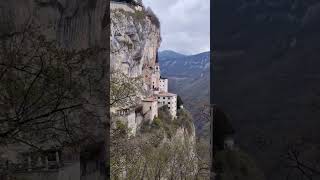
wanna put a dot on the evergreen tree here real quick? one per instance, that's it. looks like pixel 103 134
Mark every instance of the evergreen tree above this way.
pixel 179 102
pixel 221 128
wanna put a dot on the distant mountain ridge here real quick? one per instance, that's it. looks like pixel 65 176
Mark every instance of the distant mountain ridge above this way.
pixel 168 54
pixel 176 64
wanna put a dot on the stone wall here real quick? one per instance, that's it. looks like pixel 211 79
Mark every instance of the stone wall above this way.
pixel 75 23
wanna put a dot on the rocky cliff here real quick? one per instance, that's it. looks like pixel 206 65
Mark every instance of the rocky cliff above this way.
pixel 163 148
pixel 134 41
pixel 62 29
pixel 74 23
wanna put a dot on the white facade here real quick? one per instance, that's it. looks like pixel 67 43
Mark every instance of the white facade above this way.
pixel 158 96
pixel 163 85
pixel 170 100
pixel 150 109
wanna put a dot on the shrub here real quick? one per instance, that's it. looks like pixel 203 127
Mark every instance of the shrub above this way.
pixel 139 15
pixel 164 114
pixel 145 127
pixel 157 123
pixel 179 102
pixel 122 128
pixel 185 120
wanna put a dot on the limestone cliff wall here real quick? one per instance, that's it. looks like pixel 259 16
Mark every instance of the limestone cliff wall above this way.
pixel 74 23
pixel 134 41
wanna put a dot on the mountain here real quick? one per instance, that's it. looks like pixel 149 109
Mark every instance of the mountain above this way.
pixel 176 65
pixel 168 54
pixel 270 86
pixel 189 77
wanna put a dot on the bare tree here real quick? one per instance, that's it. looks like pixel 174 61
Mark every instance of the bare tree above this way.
pixel 124 90
pixel 45 90
pixel 296 163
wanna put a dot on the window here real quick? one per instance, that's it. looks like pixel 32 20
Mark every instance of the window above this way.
pixel 168 102
pixel 164 98
pixel 169 107
pixel 168 97
pixel 150 107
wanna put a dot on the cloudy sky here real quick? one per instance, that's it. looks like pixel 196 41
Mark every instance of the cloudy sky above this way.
pixel 185 24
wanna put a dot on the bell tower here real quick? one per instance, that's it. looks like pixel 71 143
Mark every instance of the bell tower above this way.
pixel 156 76
pixel 157 67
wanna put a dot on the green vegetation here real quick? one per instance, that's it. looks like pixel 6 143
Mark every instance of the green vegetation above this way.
pixel 222 128
pixel 140 16
pixel 166 124
pixel 147 156
pixel 185 120
pixel 122 128
pixel 123 89
pixel 157 123
pixel 236 165
pixel 179 102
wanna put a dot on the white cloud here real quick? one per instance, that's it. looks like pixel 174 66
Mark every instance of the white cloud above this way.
pixel 185 24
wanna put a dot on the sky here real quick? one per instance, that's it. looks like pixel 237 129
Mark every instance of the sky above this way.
pixel 185 24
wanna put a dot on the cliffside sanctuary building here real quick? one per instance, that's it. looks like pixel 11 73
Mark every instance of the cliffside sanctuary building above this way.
pixel 169 100
pixel 148 109
pixel 138 61
pixel 160 91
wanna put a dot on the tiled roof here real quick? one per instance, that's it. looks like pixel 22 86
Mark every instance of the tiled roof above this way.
pixel 165 94
pixel 149 99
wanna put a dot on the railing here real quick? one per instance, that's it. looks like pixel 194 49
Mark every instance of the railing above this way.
pixel 34 162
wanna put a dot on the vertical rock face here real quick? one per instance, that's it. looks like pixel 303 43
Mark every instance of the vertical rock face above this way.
pixel 134 41
pixel 75 24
